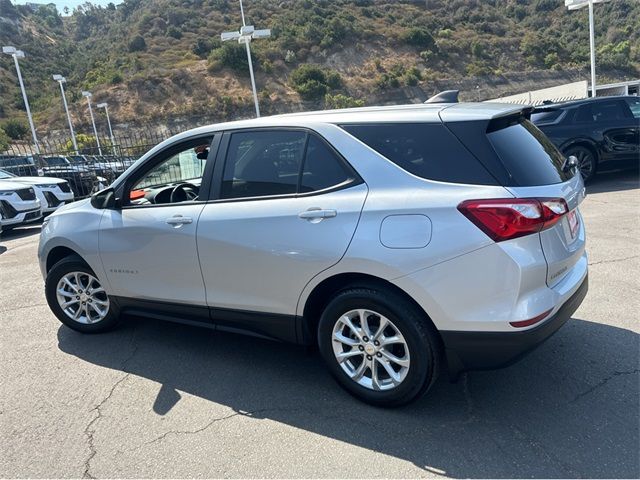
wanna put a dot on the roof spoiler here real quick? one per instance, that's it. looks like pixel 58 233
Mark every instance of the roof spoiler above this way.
pixel 447 96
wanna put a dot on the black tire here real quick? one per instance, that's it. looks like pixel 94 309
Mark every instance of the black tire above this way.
pixel 420 335
pixel 587 160
pixel 63 267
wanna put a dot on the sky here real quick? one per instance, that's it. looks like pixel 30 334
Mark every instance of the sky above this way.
pixel 66 3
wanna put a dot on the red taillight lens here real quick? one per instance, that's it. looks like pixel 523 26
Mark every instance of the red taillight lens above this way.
pixel 507 218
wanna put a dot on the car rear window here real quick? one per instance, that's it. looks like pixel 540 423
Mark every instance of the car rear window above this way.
pixel 427 150
pixel 526 153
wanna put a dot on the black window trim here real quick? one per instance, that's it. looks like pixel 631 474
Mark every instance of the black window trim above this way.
pixel 221 160
pixel 205 186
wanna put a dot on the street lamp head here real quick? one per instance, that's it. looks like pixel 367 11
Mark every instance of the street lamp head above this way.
pixel 102 105
pixel 19 54
pixel 9 50
pixel 86 94
pixel 577 4
pixel 59 78
pixel 224 36
pixel 246 30
pixel 265 33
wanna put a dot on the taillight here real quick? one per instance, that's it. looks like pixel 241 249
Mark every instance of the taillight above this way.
pixel 507 218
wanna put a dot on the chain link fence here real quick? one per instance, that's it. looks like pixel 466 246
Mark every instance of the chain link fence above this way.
pixel 87 170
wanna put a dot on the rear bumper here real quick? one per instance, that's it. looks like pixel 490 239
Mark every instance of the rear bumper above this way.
pixel 490 350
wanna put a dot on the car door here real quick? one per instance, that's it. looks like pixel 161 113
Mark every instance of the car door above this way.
pixel 148 246
pixel 612 122
pixel 286 207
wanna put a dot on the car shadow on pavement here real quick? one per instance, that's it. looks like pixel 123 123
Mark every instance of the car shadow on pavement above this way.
pixel 20 232
pixel 614 181
pixel 569 409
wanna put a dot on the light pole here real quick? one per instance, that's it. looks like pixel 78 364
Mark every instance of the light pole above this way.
pixel 88 95
pixel 106 111
pixel 60 79
pixel 16 54
pixel 245 35
pixel 575 5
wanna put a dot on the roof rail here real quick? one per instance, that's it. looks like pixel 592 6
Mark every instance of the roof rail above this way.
pixel 446 96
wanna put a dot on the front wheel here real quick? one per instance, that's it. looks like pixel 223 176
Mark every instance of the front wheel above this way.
pixel 378 346
pixel 78 299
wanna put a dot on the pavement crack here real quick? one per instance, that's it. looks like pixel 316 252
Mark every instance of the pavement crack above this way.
pixel 5 310
pixel 89 431
pixel 614 260
pixel 602 383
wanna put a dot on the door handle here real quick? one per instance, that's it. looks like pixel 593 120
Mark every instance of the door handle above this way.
pixel 178 220
pixel 317 214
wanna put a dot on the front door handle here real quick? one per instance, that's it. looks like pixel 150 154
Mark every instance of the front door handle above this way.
pixel 178 220
pixel 317 214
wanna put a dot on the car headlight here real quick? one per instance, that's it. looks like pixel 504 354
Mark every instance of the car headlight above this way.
pixel 48 185
pixel 6 192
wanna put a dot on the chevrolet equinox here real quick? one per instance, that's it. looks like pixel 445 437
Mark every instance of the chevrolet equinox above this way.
pixel 404 241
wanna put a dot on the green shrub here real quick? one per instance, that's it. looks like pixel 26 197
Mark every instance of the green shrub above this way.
pixel 137 44
pixel 312 82
pixel 4 141
pixel 16 129
pixel 174 32
pixel 230 55
pixel 419 37
pixel 341 101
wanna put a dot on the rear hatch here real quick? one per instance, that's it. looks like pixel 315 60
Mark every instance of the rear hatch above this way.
pixel 539 170
pixel 529 166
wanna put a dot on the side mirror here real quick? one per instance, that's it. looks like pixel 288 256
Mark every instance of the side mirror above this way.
pixel 570 163
pixel 105 199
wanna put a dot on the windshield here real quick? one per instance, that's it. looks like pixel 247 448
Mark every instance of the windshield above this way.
pixel 56 161
pixel 5 175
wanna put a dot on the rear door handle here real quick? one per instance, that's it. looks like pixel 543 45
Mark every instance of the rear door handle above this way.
pixel 317 214
pixel 178 220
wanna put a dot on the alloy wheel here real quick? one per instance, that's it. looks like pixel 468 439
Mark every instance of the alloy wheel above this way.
pixel 82 298
pixel 370 349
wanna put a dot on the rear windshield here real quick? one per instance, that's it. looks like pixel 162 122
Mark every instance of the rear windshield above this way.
pixel 427 150
pixel 527 154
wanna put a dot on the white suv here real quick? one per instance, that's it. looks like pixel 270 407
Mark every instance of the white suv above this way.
pixel 402 240
pixel 18 205
pixel 52 192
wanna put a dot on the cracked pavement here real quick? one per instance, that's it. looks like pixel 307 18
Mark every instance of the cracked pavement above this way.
pixel 153 399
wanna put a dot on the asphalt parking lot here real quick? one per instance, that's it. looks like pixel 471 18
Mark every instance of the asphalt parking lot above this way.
pixel 161 400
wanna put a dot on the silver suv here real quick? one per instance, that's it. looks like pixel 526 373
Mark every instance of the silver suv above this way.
pixel 404 241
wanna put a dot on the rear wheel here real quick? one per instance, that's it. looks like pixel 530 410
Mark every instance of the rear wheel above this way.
pixel 378 346
pixel 78 299
pixel 587 161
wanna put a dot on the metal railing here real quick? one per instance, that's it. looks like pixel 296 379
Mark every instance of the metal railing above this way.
pixel 87 171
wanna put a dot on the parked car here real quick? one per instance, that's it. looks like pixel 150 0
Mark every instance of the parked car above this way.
pixel 18 205
pixel 101 169
pixel 403 240
pixel 603 133
pixel 82 180
pixel 18 165
pixel 52 192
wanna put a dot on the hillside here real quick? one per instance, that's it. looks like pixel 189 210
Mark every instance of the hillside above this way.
pixel 156 61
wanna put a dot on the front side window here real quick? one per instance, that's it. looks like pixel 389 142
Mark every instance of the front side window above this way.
pixel 176 178
pixel 267 163
pixel 601 112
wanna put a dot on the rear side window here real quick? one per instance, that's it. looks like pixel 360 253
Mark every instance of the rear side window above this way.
pixel 427 150
pixel 634 106
pixel 263 163
pixel 527 154
pixel 601 112
pixel 322 168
